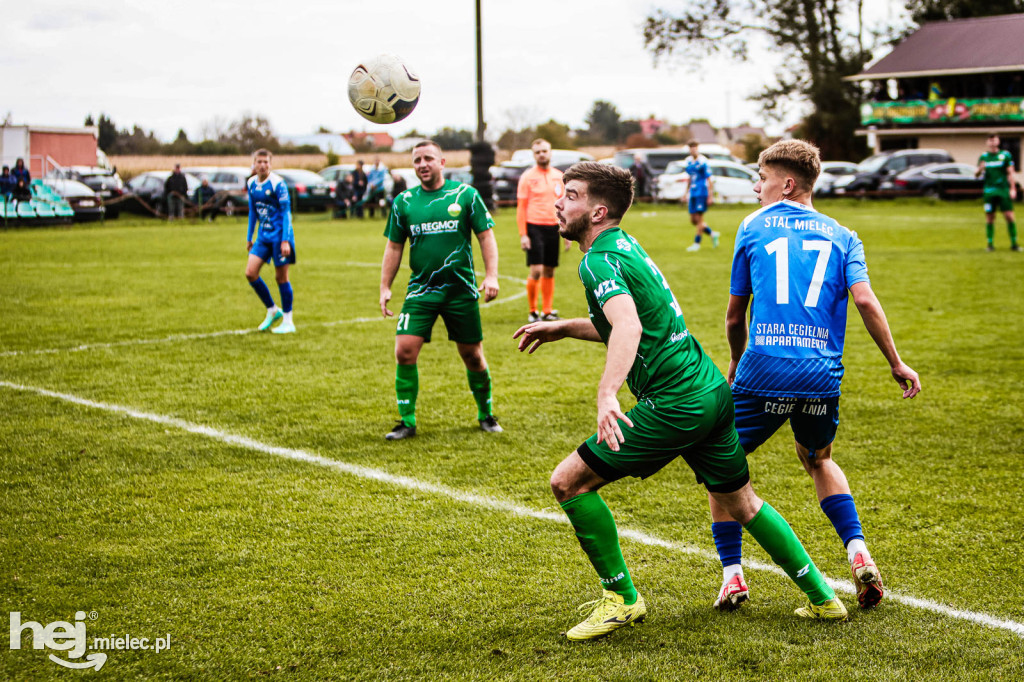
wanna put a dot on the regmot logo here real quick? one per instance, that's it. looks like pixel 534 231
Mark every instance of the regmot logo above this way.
pixel 71 637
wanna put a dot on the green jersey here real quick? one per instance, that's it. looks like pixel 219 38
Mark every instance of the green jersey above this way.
pixel 439 226
pixel 670 365
pixel 997 171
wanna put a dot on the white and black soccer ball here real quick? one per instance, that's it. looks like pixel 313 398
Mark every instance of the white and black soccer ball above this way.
pixel 384 89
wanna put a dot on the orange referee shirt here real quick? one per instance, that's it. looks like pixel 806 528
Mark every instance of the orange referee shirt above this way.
pixel 538 191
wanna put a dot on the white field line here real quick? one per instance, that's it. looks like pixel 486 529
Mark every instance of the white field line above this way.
pixel 486 502
pixel 235 332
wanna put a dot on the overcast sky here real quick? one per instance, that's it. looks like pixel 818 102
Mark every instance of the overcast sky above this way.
pixel 181 64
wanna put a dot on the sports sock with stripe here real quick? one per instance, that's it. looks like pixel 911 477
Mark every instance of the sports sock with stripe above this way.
pixel 599 538
pixel 480 385
pixel 774 534
pixel 407 386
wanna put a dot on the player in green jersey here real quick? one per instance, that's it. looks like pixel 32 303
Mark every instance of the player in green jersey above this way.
pixel 684 406
pixel 438 219
pixel 1000 189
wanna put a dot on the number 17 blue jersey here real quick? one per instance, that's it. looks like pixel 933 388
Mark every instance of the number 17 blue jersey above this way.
pixel 798 265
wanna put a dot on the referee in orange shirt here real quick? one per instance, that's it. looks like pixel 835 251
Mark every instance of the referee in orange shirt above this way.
pixel 539 188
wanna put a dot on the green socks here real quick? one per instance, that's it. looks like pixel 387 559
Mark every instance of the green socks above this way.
pixel 599 538
pixel 773 533
pixel 990 232
pixel 407 386
pixel 1011 227
pixel 480 385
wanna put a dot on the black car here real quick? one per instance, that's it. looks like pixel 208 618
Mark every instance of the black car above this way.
pixel 940 181
pixel 104 181
pixel 148 188
pixel 310 192
pixel 885 166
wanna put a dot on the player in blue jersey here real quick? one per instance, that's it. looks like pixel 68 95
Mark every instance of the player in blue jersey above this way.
pixel 798 265
pixel 700 190
pixel 270 215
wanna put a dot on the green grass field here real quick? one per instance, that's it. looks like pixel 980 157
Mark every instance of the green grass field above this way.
pixel 177 502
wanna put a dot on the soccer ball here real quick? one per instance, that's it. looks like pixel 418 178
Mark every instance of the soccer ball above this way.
pixel 383 89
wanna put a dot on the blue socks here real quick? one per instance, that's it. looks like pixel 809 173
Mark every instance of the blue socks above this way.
pixel 264 293
pixel 286 296
pixel 839 509
pixel 842 512
pixel 728 537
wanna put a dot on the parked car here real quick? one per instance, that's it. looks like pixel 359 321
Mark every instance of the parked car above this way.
pixel 310 192
pixel 937 180
pixel 149 187
pixel 333 174
pixel 734 182
pixel 103 181
pixel 86 203
pixel 230 179
pixel 830 172
pixel 873 170
pixel 505 176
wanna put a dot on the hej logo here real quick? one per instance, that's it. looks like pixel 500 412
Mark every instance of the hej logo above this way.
pixel 64 636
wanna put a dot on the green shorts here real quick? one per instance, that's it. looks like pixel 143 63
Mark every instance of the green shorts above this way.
pixel 461 317
pixel 700 430
pixel 999 201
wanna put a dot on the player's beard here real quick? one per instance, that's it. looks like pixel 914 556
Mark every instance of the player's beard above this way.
pixel 574 230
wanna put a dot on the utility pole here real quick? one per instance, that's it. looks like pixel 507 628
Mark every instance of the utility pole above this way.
pixel 481 154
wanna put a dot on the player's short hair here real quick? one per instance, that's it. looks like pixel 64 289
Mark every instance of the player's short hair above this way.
pixel 693 143
pixel 799 157
pixel 263 152
pixel 427 143
pixel 607 184
pixel 991 135
pixel 538 141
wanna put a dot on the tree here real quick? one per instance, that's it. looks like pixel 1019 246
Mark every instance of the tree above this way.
pixel 603 123
pixel 107 133
pixel 252 132
pixel 556 133
pixel 819 52
pixel 947 10
pixel 450 138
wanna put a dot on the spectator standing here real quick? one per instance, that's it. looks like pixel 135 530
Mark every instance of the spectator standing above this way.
pixel 20 173
pixel 175 191
pixel 640 176
pixel 359 186
pixel 375 194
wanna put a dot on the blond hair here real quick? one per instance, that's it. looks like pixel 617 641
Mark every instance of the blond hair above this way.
pixel 799 158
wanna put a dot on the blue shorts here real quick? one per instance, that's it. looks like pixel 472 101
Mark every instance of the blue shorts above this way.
pixel 264 250
pixel 698 204
pixel 814 420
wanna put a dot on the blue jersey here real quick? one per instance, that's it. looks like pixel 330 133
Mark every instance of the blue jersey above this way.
pixel 798 264
pixel 699 173
pixel 271 208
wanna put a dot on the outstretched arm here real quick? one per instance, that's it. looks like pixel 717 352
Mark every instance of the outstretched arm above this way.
pixel 536 334
pixel 388 270
pixel 736 332
pixel 878 327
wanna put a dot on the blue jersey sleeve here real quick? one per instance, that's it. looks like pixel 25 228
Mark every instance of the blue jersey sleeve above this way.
pixel 856 264
pixel 252 213
pixel 739 280
pixel 284 202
